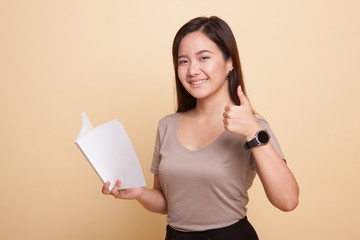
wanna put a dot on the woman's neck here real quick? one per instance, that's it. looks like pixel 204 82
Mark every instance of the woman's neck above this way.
pixel 211 108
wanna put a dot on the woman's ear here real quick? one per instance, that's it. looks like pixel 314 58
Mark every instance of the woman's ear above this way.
pixel 229 65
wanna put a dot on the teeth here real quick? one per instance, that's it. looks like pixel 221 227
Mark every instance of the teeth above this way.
pixel 198 82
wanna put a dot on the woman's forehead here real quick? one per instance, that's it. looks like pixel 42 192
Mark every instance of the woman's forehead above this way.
pixel 197 42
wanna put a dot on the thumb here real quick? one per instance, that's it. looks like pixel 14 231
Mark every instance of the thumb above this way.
pixel 242 97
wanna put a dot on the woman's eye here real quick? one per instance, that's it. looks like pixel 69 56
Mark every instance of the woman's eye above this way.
pixel 182 61
pixel 204 58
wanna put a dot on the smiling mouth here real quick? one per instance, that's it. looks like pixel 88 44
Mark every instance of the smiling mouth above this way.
pixel 199 82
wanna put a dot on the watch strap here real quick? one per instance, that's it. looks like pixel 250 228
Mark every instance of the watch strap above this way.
pixel 252 143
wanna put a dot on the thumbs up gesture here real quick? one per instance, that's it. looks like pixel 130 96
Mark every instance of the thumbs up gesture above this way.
pixel 240 119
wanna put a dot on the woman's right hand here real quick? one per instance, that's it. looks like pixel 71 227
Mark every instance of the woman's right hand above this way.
pixel 152 199
pixel 130 193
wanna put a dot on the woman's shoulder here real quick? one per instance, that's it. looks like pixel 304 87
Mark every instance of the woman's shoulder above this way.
pixel 169 119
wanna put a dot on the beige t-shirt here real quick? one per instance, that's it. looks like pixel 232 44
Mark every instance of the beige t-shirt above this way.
pixel 204 189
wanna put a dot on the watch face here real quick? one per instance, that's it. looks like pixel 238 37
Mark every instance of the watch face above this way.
pixel 263 137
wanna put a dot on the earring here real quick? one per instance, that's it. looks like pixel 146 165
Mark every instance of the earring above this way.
pixel 228 75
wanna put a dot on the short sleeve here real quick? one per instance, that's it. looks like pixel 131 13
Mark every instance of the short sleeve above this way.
pixel 273 140
pixel 157 155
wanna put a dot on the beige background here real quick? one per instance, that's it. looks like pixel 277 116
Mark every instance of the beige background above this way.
pixel 112 59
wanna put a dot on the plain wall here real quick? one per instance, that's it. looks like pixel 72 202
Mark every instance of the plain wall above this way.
pixel 112 59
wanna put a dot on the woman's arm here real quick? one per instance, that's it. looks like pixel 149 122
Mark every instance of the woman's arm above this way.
pixel 278 181
pixel 152 199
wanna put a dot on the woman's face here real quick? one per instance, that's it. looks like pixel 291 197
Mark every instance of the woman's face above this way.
pixel 201 67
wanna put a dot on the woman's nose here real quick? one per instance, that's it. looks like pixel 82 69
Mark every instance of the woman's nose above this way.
pixel 193 69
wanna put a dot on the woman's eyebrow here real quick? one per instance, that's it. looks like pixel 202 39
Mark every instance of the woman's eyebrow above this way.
pixel 198 53
pixel 203 51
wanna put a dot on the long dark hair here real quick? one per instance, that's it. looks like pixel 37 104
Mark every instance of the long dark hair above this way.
pixel 220 33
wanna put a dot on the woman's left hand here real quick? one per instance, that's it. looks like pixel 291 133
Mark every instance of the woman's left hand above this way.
pixel 240 119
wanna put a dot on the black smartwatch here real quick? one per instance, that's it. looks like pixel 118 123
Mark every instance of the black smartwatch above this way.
pixel 262 137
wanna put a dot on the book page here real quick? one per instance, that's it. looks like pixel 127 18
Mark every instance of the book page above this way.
pixel 110 152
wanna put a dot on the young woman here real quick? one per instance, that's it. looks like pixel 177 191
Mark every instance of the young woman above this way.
pixel 208 152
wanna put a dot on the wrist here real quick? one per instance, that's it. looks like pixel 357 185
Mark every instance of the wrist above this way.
pixel 141 195
pixel 251 134
pixel 261 138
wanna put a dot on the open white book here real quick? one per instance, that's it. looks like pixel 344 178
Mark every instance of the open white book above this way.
pixel 110 152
